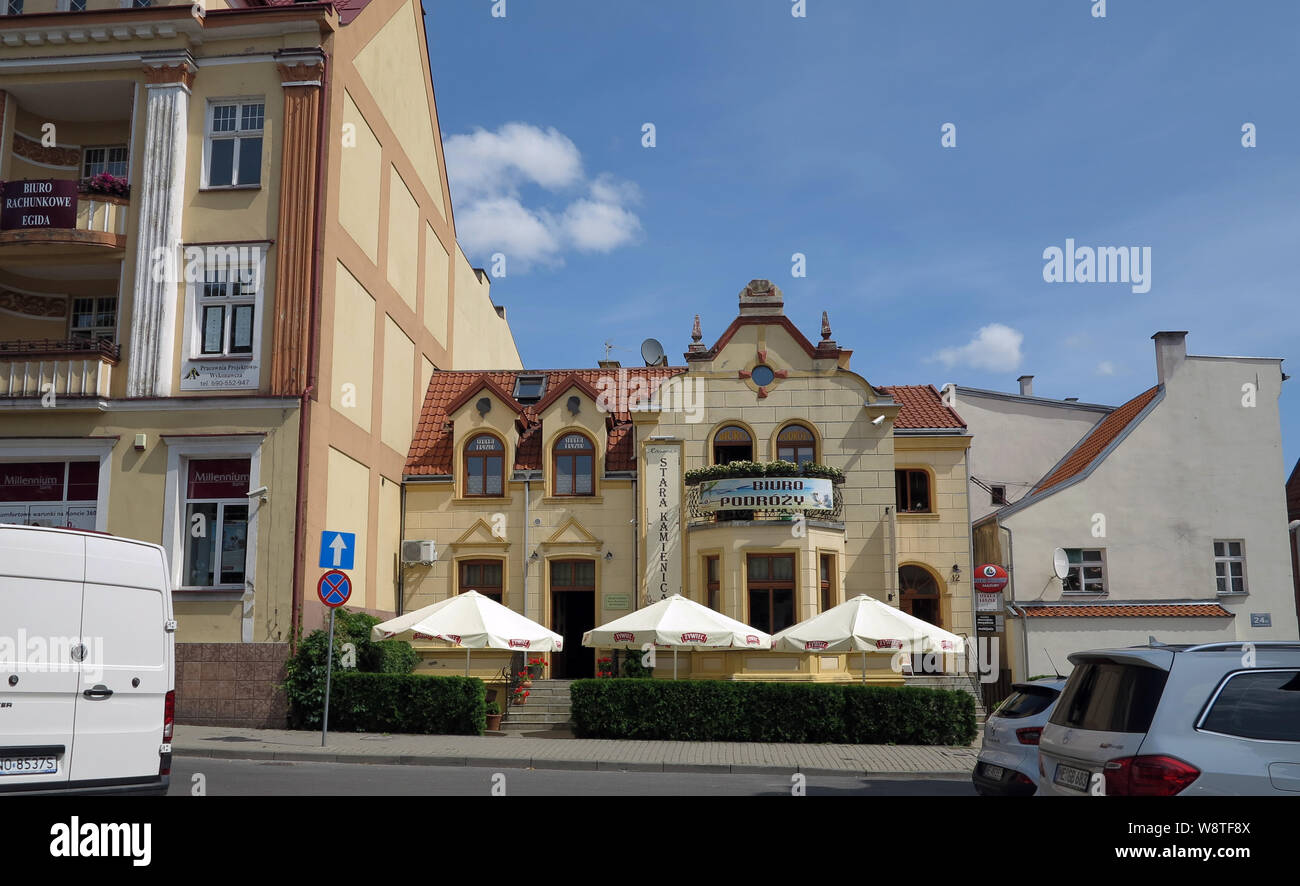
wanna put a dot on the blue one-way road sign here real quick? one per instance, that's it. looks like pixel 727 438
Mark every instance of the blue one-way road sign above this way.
pixel 337 549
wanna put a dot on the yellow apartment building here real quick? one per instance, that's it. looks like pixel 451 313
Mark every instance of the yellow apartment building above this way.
pixel 228 271
pixel 576 495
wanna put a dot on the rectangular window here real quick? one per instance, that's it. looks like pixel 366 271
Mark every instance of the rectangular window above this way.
pixel 998 495
pixel 216 522
pixel 1087 572
pixel 14 7
pixel 234 144
pixel 912 491
pixel 225 309
pixel 771 591
pixel 94 318
pixel 529 387
pixel 483 576
pixel 111 159
pixel 1230 566
pixel 713 583
pixel 826 580
pixel 53 493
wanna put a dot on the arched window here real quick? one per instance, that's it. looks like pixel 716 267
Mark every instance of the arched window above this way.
pixel 575 465
pixel 919 594
pixel 485 460
pixel 797 444
pixel 732 443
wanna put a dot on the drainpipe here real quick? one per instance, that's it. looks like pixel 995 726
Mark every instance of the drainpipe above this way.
pixel 1011 585
pixel 527 545
pixel 401 536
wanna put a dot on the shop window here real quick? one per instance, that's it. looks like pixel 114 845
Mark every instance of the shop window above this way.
pixel 732 443
pixel 771 591
pixel 912 491
pixel 574 460
pixel 1087 573
pixel 94 318
pixel 484 466
pixel 233 149
pixel 52 493
pixel 1230 566
pixel 713 583
pixel 483 576
pixel 216 522
pixel 797 444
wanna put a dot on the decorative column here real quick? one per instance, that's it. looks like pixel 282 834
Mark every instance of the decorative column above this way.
pixel 302 74
pixel 159 190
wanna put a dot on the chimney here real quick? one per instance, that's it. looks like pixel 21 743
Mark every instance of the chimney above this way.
pixel 1026 385
pixel 1171 351
pixel 608 364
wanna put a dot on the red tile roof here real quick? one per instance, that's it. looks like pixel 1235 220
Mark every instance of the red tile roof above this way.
pixel 923 407
pixel 431 449
pixel 1091 447
pixel 1128 610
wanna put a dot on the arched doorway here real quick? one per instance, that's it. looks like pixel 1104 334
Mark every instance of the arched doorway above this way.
pixel 919 594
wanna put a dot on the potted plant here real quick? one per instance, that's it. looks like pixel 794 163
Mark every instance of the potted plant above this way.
pixel 525 679
pixel 604 667
pixel 520 696
pixel 536 666
pixel 493 716
pixel 105 183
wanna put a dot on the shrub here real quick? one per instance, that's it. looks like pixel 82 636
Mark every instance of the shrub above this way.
pixel 410 703
pixel 695 476
pixel 700 710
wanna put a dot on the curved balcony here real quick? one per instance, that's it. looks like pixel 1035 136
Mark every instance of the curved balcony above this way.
pixel 49 369
pixel 100 221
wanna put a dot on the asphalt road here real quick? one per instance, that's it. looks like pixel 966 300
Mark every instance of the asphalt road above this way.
pixel 277 778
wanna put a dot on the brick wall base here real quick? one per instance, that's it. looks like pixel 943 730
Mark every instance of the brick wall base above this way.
pixel 231 684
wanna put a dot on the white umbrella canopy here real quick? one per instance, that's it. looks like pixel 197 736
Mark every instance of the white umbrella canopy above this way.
pixel 865 624
pixel 678 623
pixel 473 621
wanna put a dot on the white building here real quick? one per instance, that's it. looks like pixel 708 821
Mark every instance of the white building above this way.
pixel 1017 439
pixel 1173 516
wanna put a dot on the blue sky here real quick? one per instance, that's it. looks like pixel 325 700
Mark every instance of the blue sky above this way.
pixel 821 135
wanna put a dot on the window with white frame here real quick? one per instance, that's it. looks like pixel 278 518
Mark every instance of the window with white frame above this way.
pixel 225 302
pixel 1230 566
pixel 1087 572
pixel 14 7
pixel 94 318
pixel 107 158
pixel 233 153
pixel 76 5
pixel 216 522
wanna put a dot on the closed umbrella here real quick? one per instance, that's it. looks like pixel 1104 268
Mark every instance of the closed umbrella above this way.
pixel 865 624
pixel 679 623
pixel 473 621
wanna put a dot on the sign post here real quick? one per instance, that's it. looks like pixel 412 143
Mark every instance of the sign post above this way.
pixel 333 589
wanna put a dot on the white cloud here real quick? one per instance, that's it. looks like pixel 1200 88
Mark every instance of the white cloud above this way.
pixel 487 172
pixel 995 347
pixel 1105 367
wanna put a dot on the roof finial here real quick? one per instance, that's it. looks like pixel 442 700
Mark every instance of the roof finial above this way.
pixel 826 327
pixel 696 334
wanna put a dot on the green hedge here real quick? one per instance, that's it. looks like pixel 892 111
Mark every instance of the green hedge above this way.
pixel 410 703
pixel 699 710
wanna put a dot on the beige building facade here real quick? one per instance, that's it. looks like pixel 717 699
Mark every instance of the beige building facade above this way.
pixel 568 495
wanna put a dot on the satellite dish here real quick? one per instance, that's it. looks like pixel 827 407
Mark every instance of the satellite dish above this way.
pixel 1060 563
pixel 652 352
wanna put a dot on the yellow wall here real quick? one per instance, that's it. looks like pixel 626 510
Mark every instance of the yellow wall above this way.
pixel 403 238
pixel 353 355
pixel 349 486
pixel 399 373
pixel 436 285
pixel 359 188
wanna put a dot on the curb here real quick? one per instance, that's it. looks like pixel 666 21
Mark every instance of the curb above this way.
pixel 324 755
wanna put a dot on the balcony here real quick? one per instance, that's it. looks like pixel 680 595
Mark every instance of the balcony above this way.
pixel 752 492
pixel 49 369
pixel 98 220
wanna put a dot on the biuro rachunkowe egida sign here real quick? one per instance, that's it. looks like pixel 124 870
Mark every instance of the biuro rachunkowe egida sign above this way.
pixel 50 203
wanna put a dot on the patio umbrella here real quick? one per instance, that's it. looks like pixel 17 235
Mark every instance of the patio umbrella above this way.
pixel 679 623
pixel 865 624
pixel 473 621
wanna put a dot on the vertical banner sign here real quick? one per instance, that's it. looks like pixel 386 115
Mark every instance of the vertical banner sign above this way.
pixel 661 476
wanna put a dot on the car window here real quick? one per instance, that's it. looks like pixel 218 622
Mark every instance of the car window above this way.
pixel 1110 697
pixel 1026 702
pixel 1258 704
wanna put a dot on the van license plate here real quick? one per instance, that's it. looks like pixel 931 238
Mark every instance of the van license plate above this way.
pixel 1070 777
pixel 993 772
pixel 28 765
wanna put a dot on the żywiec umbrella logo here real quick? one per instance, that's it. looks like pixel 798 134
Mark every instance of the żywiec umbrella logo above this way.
pixel 623 636
pixel 455 638
pixel 889 644
pixel 752 640
pixel 815 644
pixel 520 644
pixel 694 637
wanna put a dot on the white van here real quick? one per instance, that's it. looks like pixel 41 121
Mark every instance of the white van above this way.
pixel 87 663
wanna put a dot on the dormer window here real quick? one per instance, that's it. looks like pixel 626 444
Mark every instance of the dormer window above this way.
pixel 575 466
pixel 484 466
pixel 529 388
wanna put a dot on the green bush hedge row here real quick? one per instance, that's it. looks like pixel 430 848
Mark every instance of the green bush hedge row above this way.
pixel 698 710
pixel 411 703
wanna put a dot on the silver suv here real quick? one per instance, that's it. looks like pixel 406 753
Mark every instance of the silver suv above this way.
pixel 1160 720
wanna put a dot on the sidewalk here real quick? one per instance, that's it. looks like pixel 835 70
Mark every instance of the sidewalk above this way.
pixel 590 754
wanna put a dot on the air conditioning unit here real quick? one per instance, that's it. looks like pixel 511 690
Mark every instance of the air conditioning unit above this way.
pixel 421 552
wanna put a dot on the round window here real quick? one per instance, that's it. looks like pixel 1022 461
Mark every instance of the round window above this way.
pixel 762 375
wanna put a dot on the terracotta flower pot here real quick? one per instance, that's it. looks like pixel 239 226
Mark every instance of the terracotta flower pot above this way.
pixel 494 722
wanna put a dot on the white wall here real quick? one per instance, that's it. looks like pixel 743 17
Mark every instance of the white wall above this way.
pixel 1054 639
pixel 1017 441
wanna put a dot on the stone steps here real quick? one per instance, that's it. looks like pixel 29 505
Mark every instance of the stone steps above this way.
pixel 548 705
